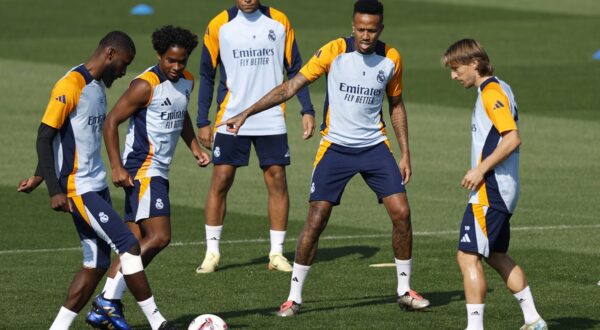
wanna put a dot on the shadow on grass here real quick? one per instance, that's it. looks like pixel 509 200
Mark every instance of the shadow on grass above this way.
pixel 572 323
pixel 323 255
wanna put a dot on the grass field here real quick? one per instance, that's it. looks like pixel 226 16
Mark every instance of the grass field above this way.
pixel 543 48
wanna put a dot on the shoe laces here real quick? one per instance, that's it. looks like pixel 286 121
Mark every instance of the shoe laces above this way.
pixel 415 295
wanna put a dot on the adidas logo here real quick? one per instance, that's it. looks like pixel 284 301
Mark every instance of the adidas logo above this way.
pixel 155 311
pixel 521 300
pixel 295 279
pixel 402 274
pixel 166 102
pixel 498 105
pixel 475 313
pixel 62 99
pixel 213 239
pixel 465 239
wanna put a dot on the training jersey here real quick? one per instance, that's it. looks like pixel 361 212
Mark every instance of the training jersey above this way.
pixel 495 112
pixel 252 51
pixel 356 86
pixel 155 129
pixel 77 108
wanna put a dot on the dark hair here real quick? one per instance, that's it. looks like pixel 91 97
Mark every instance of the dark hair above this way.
pixel 373 7
pixel 119 40
pixel 169 36
pixel 464 52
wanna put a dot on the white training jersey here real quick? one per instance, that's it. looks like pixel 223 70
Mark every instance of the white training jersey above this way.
pixel 77 108
pixel 253 50
pixel 495 113
pixel 356 88
pixel 155 129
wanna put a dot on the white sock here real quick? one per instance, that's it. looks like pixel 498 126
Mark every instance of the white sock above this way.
pixel 63 320
pixel 525 299
pixel 277 239
pixel 152 313
pixel 213 238
pixel 403 271
pixel 475 316
pixel 299 274
pixel 108 284
pixel 117 287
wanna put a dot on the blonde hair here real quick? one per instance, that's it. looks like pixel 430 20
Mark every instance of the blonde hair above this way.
pixel 464 52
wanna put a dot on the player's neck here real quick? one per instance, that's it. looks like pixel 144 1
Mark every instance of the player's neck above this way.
pixel 480 80
pixel 95 67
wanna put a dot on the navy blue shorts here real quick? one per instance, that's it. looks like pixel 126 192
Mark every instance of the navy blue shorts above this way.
pixel 99 227
pixel 235 150
pixel 484 230
pixel 335 165
pixel 148 198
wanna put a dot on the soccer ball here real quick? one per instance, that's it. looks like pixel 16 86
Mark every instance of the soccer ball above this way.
pixel 208 322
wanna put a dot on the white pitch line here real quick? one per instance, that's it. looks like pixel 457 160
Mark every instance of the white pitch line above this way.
pixel 328 238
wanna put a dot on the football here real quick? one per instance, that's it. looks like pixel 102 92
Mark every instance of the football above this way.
pixel 207 322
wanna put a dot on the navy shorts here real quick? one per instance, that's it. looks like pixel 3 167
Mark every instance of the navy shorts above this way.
pixel 99 227
pixel 148 198
pixel 235 150
pixel 335 165
pixel 484 230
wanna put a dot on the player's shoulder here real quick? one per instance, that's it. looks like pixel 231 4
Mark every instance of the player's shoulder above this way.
pixel 73 81
pixel 222 18
pixel 151 76
pixel 391 51
pixel 275 14
pixel 188 75
pixel 491 87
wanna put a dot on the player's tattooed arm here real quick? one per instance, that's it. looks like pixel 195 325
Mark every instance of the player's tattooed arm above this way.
pixel 276 96
pixel 400 124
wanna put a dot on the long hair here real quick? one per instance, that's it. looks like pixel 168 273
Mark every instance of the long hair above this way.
pixel 464 52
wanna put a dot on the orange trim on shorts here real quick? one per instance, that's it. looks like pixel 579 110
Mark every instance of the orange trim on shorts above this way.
pixel 479 214
pixel 78 201
pixel 141 173
pixel 144 184
pixel 321 151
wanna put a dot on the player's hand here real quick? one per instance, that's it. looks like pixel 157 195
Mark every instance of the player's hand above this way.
pixel 405 169
pixel 60 202
pixel 473 179
pixel 234 123
pixel 202 158
pixel 121 178
pixel 205 136
pixel 308 123
pixel 28 185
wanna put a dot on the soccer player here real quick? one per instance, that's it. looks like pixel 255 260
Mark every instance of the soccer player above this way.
pixel 493 182
pixel 360 70
pixel 156 105
pixel 70 137
pixel 252 44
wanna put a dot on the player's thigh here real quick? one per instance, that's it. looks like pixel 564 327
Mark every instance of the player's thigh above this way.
pixel 231 150
pixel 332 171
pixel 100 227
pixel 272 150
pixel 484 230
pixel 380 171
pixel 149 197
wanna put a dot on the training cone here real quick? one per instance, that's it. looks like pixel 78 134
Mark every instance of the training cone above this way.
pixel 142 9
pixel 597 57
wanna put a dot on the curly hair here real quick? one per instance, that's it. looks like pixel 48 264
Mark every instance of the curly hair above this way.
pixel 373 7
pixel 169 36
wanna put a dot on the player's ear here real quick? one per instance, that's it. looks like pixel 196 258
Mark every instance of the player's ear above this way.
pixel 110 53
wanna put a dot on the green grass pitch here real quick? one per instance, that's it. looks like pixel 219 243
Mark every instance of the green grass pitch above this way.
pixel 543 48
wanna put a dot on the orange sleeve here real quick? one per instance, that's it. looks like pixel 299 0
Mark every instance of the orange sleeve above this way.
pixel 320 63
pixel 63 99
pixel 394 86
pixel 211 36
pixel 497 107
pixel 152 79
pixel 289 33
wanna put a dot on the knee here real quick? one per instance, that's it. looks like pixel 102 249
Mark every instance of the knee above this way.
pixel 221 182
pixel 276 179
pixel 401 215
pixel 467 260
pixel 160 241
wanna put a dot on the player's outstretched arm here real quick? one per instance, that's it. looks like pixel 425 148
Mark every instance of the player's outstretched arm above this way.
pixel 277 95
pixel 187 134
pixel 134 98
pixel 400 124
